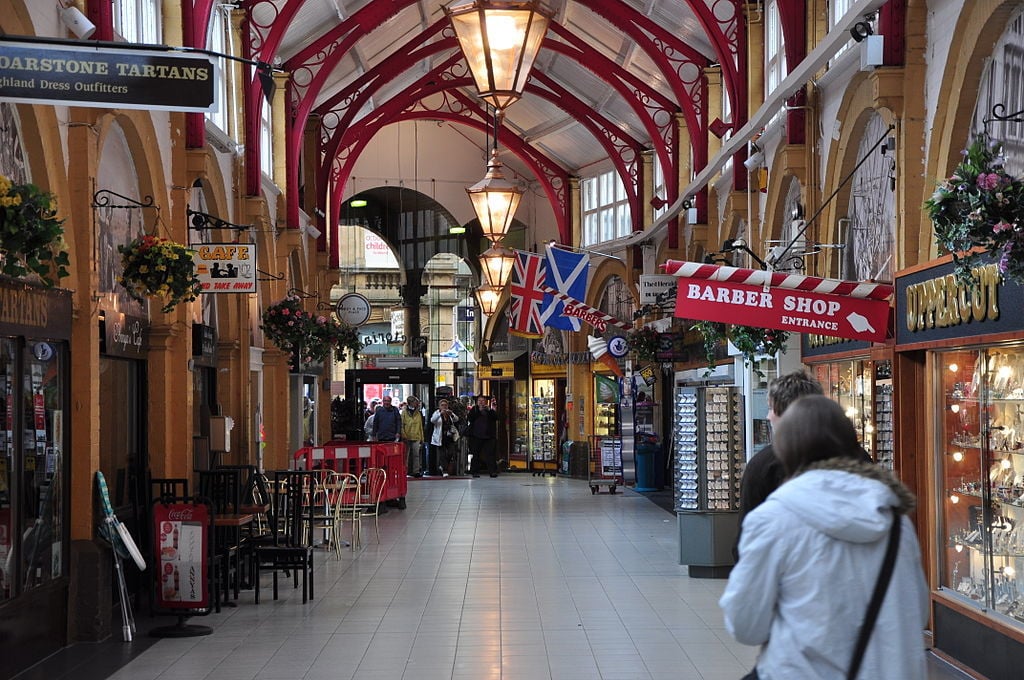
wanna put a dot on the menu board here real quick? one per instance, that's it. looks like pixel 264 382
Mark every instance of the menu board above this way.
pixel 181 540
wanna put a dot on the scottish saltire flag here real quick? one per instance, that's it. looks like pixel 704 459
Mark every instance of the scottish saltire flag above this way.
pixel 566 273
pixel 525 295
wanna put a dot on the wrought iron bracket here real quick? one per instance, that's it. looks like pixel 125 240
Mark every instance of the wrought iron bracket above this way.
pixel 327 306
pixel 201 221
pixel 103 198
pixel 267 276
pixel 999 115
pixel 298 292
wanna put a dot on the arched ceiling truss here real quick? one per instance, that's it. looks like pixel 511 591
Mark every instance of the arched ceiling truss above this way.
pixel 267 24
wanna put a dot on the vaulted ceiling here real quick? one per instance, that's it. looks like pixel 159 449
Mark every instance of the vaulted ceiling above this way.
pixel 613 78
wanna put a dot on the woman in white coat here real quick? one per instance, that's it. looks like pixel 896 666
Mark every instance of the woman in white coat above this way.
pixel 444 436
pixel 811 553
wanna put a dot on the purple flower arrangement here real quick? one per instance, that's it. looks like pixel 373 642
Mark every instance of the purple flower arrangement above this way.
pixel 980 209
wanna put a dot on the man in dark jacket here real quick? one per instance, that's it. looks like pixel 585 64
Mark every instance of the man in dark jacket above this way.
pixel 387 423
pixel 764 472
pixel 482 433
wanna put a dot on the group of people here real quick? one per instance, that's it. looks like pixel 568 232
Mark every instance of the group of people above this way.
pixel 388 423
pixel 817 525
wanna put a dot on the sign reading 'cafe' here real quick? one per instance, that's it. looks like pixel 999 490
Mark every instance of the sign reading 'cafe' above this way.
pixel 104 76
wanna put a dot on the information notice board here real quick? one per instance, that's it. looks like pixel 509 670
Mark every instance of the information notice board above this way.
pixel 181 549
pixel 611 456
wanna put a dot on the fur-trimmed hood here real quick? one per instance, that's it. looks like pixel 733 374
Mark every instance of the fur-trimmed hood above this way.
pixel 847 499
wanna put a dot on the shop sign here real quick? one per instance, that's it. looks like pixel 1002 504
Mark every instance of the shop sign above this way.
pixel 204 345
pixel 561 358
pixel 124 336
pixel 653 285
pixel 815 344
pixel 933 305
pixel 353 309
pixel 466 314
pixel 783 309
pixel 226 267
pixel 27 309
pixel 107 78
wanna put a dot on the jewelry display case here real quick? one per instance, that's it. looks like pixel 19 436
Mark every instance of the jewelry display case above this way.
pixel 981 441
pixel 864 389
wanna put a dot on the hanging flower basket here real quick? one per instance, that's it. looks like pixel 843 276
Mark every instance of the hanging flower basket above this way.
pixel 155 267
pixel 753 342
pixel 308 337
pixel 644 343
pixel 981 207
pixel 31 236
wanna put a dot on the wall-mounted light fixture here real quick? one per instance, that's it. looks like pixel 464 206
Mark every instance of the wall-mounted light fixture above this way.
pixel 733 244
pixel 861 30
pixel 754 160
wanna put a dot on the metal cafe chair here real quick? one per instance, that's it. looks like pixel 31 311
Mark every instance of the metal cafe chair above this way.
pixel 345 499
pixel 223 488
pixel 372 483
pixel 292 546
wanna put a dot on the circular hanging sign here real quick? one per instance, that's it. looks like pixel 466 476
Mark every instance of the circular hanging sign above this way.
pixel 353 309
pixel 617 347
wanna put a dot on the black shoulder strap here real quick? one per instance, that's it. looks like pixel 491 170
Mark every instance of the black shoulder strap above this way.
pixel 881 585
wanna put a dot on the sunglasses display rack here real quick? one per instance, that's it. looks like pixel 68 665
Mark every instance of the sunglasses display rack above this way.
pixel 708 435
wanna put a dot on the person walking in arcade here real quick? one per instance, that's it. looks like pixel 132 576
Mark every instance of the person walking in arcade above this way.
pixel 482 432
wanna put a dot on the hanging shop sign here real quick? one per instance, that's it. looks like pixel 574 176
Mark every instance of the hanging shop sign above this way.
pixel 204 345
pixel 123 335
pixel 931 304
pixel 653 285
pixel 106 77
pixel 353 309
pixel 790 302
pixel 226 267
pixel 28 309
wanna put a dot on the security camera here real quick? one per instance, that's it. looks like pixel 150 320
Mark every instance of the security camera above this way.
pixel 77 22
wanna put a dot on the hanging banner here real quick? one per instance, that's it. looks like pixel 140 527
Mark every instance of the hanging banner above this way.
pixel 106 77
pixel 790 302
pixel 226 267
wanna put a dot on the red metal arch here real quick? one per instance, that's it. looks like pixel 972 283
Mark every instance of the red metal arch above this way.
pixel 458 108
pixel 264 39
pixel 556 195
pixel 355 96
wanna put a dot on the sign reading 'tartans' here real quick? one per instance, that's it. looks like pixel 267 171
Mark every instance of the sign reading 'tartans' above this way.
pixel 105 76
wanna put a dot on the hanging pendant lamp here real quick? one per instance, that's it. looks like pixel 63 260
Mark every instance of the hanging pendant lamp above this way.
pixel 500 40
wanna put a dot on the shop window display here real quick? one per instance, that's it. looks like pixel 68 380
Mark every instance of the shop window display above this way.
pixel 982 467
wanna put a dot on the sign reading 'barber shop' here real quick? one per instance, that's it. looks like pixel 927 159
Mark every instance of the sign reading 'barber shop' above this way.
pixel 782 309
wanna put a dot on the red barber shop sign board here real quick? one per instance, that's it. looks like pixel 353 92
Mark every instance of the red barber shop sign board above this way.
pixel 784 302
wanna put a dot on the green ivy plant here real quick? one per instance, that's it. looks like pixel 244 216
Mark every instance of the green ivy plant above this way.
pixel 31 236
pixel 644 343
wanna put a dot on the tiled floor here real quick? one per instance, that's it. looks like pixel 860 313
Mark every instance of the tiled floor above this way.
pixel 518 578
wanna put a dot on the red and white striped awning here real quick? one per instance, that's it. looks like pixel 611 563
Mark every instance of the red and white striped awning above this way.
pixel 790 302
pixel 756 277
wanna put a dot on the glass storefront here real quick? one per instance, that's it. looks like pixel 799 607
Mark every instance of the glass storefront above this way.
pixel 980 442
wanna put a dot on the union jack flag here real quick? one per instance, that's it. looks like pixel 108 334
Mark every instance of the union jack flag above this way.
pixel 526 296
